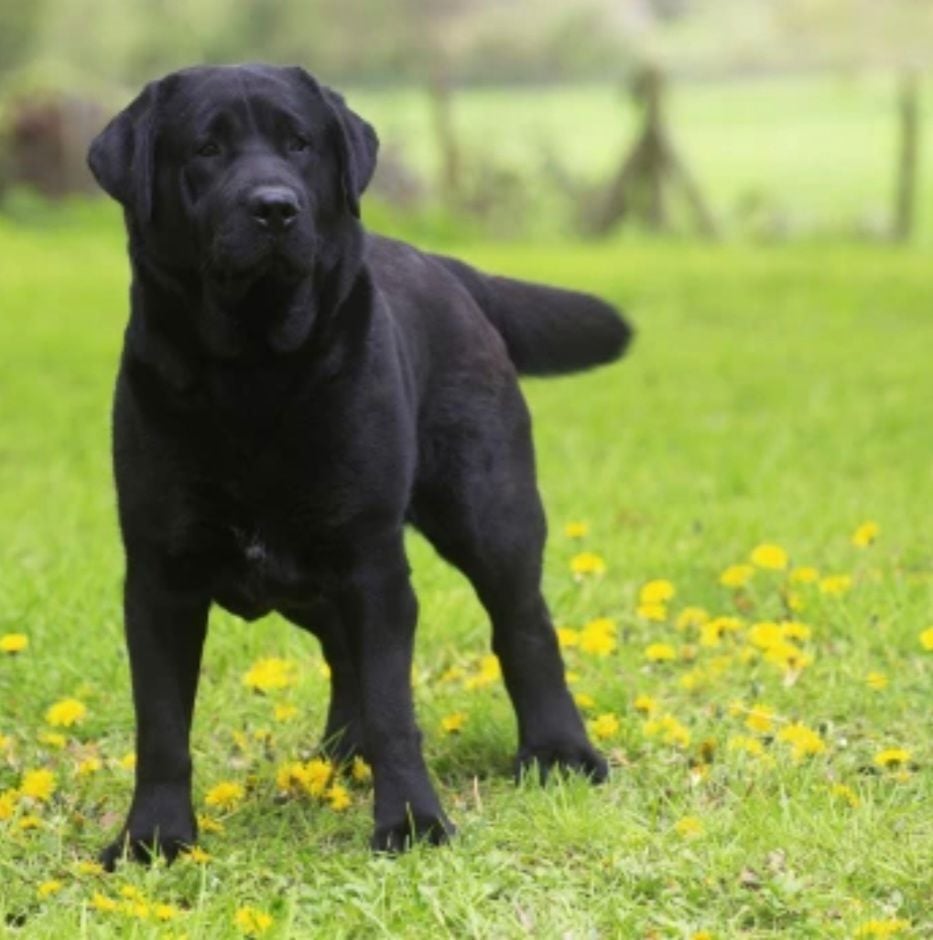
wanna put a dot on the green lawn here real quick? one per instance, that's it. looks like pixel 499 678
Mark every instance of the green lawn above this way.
pixel 778 395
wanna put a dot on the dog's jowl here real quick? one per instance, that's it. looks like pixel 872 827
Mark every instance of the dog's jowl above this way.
pixel 292 392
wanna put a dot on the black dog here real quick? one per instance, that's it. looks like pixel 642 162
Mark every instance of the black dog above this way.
pixel 292 392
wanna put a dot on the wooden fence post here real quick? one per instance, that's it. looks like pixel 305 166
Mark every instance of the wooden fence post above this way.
pixel 909 133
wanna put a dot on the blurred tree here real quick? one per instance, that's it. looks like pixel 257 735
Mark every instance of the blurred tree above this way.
pixel 652 171
pixel 19 31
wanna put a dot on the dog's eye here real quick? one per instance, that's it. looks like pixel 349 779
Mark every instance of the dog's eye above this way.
pixel 208 149
pixel 297 143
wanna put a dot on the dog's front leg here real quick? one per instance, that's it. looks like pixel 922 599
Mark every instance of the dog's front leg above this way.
pixel 379 610
pixel 165 629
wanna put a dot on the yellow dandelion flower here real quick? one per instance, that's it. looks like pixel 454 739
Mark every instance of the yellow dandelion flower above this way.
pixel 209 824
pixel 769 556
pixel 657 613
pixel 225 795
pixel 586 564
pixel 882 928
pixel 90 765
pixel 659 591
pixel 660 652
pixel 284 712
pixel 584 701
pixel 865 534
pixel 197 856
pixel 47 888
pixel 316 776
pixel 605 726
pixel 576 530
pixel 489 671
pixel 567 637
pixel 711 633
pixel 736 576
pixel 132 893
pixel 87 867
pixel 689 827
pixel 570 677
pixel 892 757
pixel 794 602
pixel 692 680
pixel 691 617
pixel 760 718
pixel 788 656
pixel 53 739
pixel 30 821
pixel 38 784
pixel 926 639
pixel 752 746
pixel 669 729
pixel 128 761
pixel 323 670
pixel 100 902
pixel 138 909
pixel 337 798
pixel 804 741
pixel 846 793
pixel 645 704
pixel 701 935
pixel 165 912
pixel 8 801
pixel 598 637
pixel 805 574
pixel 361 771
pixel 764 635
pixel 13 643
pixel 876 681
pixel 252 921
pixel 489 667
pixel 289 777
pixel 836 584
pixel 454 722
pixel 269 674
pixel 450 674
pixel 795 630
pixel 67 712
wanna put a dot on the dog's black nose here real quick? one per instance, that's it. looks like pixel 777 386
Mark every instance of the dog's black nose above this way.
pixel 274 207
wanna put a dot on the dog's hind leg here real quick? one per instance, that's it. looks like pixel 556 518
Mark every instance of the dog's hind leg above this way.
pixel 479 506
pixel 343 733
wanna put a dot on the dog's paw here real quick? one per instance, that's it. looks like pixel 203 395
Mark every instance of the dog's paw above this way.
pixel 161 824
pixel 145 847
pixel 399 835
pixel 540 761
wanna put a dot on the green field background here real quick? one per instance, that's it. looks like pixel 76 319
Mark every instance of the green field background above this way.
pixel 776 393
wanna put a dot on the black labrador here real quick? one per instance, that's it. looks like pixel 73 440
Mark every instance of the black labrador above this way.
pixel 292 392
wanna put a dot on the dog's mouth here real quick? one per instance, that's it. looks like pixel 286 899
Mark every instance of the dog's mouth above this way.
pixel 234 277
pixel 234 265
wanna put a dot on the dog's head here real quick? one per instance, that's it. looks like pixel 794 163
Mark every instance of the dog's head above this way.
pixel 244 181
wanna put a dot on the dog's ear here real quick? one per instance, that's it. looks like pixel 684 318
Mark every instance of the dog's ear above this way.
pixel 358 145
pixel 122 155
pixel 356 141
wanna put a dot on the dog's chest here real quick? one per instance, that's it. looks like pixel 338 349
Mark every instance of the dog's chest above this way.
pixel 260 573
pixel 273 554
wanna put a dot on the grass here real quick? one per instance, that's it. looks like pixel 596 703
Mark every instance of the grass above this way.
pixel 775 395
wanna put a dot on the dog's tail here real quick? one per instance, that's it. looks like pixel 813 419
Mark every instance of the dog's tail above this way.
pixel 546 330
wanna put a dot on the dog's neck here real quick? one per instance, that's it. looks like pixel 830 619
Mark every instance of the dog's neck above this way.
pixel 163 336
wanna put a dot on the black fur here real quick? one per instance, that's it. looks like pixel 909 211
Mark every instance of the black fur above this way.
pixel 292 392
